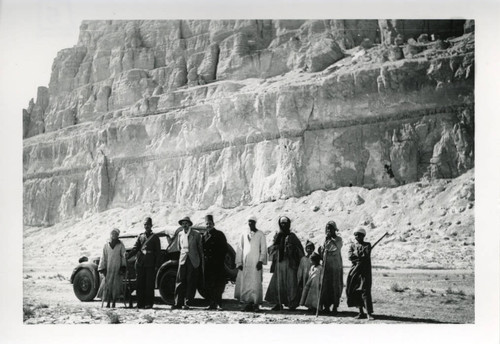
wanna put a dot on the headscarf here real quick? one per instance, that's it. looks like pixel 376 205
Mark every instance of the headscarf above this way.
pixel 331 224
pixel 331 229
pixel 281 238
pixel 315 257
pixel 309 243
pixel 112 242
pixel 287 220
pixel 360 230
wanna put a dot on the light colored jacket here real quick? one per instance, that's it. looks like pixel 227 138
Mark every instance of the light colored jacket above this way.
pixel 195 248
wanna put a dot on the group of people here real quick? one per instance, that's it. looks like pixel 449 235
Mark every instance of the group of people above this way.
pixel 313 279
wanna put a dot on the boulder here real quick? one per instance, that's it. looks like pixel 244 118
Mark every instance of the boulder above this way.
pixel 321 54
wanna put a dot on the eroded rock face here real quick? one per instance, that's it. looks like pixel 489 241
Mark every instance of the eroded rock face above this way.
pixel 200 113
pixel 34 115
pixel 391 28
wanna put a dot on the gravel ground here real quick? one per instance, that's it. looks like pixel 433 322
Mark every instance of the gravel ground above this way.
pixel 400 296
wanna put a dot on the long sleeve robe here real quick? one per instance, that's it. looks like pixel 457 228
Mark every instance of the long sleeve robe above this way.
pixel 359 280
pixel 303 273
pixel 283 287
pixel 251 249
pixel 333 271
pixel 112 260
pixel 312 288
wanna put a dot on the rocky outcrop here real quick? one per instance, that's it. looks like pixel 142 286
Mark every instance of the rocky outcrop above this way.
pixel 412 29
pixel 34 115
pixel 241 112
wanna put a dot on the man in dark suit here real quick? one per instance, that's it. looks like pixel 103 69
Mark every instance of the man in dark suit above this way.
pixel 190 261
pixel 147 249
pixel 214 251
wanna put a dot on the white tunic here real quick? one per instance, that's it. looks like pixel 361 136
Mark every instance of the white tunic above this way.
pixel 251 249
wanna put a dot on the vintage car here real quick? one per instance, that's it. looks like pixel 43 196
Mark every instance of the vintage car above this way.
pixel 86 279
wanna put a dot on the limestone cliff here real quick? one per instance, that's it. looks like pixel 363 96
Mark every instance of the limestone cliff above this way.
pixel 237 112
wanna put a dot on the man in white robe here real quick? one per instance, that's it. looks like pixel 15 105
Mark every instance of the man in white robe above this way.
pixel 251 254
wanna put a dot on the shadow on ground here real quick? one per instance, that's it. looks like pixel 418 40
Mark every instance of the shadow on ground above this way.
pixel 235 306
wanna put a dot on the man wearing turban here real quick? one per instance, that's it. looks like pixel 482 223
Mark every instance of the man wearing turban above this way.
pixel 359 279
pixel 251 254
pixel 286 253
pixel 112 265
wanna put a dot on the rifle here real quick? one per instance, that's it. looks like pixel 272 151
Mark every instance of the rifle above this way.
pixel 383 236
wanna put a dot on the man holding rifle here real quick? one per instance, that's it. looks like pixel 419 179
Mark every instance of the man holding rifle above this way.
pixel 359 280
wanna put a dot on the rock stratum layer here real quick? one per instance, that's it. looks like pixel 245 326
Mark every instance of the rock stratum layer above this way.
pixel 240 112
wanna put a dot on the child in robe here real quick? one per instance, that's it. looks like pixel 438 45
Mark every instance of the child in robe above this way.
pixel 311 292
pixel 304 267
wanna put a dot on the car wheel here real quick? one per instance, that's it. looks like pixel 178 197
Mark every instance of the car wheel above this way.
pixel 84 285
pixel 167 286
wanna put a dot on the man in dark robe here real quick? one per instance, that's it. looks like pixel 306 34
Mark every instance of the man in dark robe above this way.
pixel 214 252
pixel 359 280
pixel 147 249
pixel 286 252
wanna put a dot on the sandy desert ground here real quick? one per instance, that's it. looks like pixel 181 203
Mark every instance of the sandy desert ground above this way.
pixel 424 271
pixel 400 296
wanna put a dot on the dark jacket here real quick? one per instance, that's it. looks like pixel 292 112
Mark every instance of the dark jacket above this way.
pixel 146 255
pixel 214 251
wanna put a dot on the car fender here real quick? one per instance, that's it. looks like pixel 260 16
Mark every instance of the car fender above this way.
pixel 171 264
pixel 86 265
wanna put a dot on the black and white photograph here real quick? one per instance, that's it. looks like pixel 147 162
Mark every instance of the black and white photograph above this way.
pixel 267 171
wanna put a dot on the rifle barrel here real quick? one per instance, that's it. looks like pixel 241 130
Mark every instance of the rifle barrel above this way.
pixel 383 236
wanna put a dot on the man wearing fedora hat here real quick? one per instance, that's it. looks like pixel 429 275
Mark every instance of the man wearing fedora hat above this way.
pixel 214 252
pixel 147 249
pixel 190 261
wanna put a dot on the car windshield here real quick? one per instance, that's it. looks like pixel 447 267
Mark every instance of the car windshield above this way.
pixel 130 239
